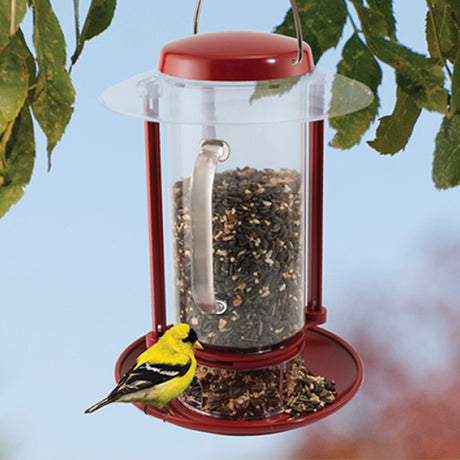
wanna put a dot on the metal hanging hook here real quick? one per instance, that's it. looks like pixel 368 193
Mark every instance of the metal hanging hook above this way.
pixel 298 27
pixel 196 18
pixel 298 31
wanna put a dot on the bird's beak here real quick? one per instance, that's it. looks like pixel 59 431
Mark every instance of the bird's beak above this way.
pixel 197 345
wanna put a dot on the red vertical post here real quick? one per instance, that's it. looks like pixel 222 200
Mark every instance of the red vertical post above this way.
pixel 315 216
pixel 155 218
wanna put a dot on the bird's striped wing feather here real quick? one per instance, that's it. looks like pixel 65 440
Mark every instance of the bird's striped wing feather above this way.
pixel 148 375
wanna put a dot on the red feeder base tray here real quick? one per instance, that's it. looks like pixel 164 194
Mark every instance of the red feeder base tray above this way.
pixel 325 354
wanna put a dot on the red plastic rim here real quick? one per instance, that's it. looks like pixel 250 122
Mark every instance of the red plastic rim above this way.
pixel 325 354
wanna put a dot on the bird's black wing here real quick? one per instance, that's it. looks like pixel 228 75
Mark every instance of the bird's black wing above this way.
pixel 148 375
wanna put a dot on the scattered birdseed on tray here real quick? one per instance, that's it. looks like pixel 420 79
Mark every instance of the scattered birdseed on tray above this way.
pixel 308 393
pixel 259 393
pixel 258 257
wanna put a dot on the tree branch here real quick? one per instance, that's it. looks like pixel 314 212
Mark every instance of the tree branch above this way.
pixel 77 20
pixel 13 18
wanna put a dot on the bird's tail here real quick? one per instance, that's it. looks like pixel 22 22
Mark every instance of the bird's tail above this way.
pixel 98 405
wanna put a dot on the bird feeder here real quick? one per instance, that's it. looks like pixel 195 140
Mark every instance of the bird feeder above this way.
pixel 236 109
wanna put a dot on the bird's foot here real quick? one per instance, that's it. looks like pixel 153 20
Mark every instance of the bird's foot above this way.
pixel 168 413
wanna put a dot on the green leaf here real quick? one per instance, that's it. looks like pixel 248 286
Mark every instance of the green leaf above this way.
pixel 394 54
pixel 99 17
pixel 359 64
pixel 372 20
pixel 322 24
pixel 30 62
pixel 416 75
pixel 394 131
pixel 385 7
pixel 455 5
pixel 20 156
pixel 455 90
pixel 442 30
pixel 433 99
pixel 425 83
pixel 446 161
pixel 267 88
pixel 14 81
pixel 398 57
pixel 8 27
pixel 54 95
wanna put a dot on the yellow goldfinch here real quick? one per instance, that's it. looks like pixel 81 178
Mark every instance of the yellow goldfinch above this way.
pixel 161 373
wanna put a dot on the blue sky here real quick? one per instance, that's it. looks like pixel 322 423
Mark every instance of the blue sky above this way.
pixel 74 252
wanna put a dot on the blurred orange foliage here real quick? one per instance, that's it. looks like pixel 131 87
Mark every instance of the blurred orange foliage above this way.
pixel 409 405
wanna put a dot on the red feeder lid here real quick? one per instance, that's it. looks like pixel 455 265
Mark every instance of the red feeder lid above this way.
pixel 234 56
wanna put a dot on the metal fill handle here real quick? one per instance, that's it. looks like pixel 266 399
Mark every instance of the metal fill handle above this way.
pixel 211 151
pixel 298 27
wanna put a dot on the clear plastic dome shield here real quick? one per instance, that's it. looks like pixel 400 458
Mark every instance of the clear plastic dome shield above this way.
pixel 154 96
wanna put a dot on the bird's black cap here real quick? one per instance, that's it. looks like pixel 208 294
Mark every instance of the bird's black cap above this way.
pixel 192 337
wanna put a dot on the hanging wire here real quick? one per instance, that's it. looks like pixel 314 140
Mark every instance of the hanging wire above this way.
pixel 298 31
pixel 295 14
pixel 197 16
